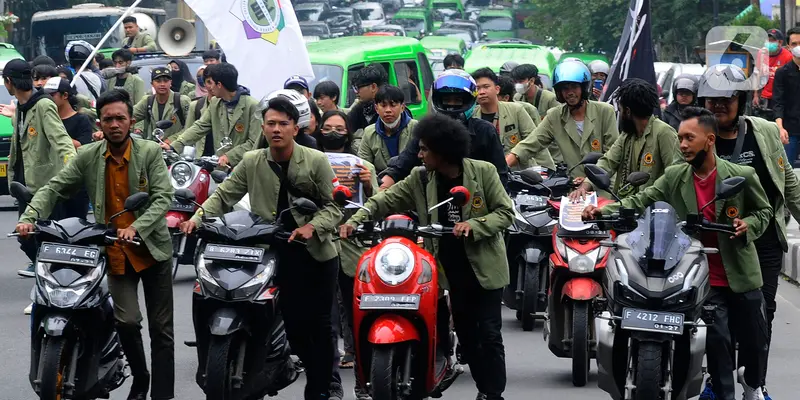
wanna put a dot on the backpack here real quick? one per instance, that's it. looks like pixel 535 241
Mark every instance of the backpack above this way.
pixel 198 108
pixel 176 104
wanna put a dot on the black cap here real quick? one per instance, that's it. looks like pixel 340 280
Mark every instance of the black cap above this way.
pixel 211 54
pixel 775 34
pixel 161 72
pixel 18 68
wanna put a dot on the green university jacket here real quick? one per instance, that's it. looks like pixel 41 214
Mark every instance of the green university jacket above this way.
pixel 531 110
pixel 373 149
pixel 43 143
pixel 514 126
pixel 489 212
pixel 147 172
pixel 143 40
pixel 243 127
pixel 188 89
pixel 599 133
pixel 676 187
pixel 547 100
pixel 86 107
pixel 133 85
pixel 146 121
pixel 652 152
pixel 310 173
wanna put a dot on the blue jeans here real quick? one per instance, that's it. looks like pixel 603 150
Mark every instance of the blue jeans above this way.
pixel 792 149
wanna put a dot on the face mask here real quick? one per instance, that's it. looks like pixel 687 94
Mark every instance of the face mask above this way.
pixel 521 88
pixel 333 141
pixel 772 47
pixel 699 159
pixel 796 52
pixel 393 125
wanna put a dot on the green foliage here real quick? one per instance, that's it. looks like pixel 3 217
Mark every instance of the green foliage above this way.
pixel 755 18
pixel 596 25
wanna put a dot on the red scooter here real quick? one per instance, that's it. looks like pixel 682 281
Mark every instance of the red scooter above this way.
pixel 576 271
pixel 395 300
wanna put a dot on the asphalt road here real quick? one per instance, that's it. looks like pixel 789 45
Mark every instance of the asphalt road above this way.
pixel 533 372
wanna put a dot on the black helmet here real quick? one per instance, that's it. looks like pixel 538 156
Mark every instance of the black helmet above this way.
pixel 507 67
pixel 723 81
pixel 78 51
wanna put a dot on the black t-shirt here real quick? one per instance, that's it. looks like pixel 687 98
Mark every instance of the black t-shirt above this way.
pixel 456 264
pixel 161 111
pixel 79 127
pixel 288 221
pixel 120 84
pixel 488 117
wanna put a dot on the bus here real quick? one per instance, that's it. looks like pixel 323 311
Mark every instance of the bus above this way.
pixel 52 30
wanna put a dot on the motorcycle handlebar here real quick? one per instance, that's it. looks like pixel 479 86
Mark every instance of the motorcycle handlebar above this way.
pixel 116 239
pixel 713 226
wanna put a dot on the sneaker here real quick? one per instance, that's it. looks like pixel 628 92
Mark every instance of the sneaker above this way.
pixel 766 395
pixel 708 392
pixel 28 309
pixel 481 396
pixel 335 391
pixel 749 392
pixel 361 394
pixel 28 272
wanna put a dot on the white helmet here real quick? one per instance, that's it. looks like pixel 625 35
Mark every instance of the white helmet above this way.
pixel 599 67
pixel 300 102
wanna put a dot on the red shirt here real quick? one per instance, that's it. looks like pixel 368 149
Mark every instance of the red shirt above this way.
pixel 705 189
pixel 782 58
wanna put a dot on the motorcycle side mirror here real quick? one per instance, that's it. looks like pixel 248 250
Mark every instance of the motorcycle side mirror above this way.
pixel 730 187
pixel 531 176
pixel 164 125
pixel 598 177
pixel 341 195
pixel 460 196
pixel 218 176
pixel 638 178
pixel 136 201
pixel 591 158
pixel 305 206
pixel 21 192
pixel 185 196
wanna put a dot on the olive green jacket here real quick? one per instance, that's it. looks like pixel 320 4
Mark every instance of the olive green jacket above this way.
pixel 349 251
pixel 244 128
pixel 143 40
pixel 547 101
pixel 514 126
pixel 676 187
pixel 190 120
pixel 599 134
pixel 188 89
pixel 780 172
pixel 147 172
pixel 531 110
pixel 652 152
pixel 489 212
pixel 43 142
pixel 373 149
pixel 309 172
pixel 134 85
pixel 146 121
pixel 86 107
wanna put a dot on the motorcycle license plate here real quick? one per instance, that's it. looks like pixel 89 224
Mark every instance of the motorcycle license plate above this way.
pixel 66 254
pixel 177 206
pixel 233 253
pixel 652 321
pixel 389 302
pixel 531 201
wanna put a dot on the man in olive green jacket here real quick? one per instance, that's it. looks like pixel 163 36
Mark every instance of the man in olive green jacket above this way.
pixel 274 178
pixel 232 115
pixel 390 134
pixel 135 40
pixel 647 144
pixel 127 81
pixel 525 76
pixel 475 262
pixel 161 107
pixel 734 274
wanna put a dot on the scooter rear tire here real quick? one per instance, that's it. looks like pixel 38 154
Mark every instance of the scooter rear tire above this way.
pixel 54 368
pixel 385 372
pixel 649 371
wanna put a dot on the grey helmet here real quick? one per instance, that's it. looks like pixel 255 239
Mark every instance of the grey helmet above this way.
pixel 723 81
pixel 686 82
pixel 599 67
pixel 507 67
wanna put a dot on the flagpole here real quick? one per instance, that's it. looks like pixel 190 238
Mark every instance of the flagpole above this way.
pixel 102 41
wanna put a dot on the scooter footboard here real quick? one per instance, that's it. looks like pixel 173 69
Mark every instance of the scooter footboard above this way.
pixel 225 321
pixel 392 328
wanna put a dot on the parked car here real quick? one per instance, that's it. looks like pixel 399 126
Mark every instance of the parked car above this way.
pixel 472 26
pixel 391 5
pixel 310 12
pixel 447 10
pixel 463 34
pixel 439 46
pixel 343 21
pixel 315 31
pixel 371 14
pixel 416 20
pixel 497 22
pixel 386 30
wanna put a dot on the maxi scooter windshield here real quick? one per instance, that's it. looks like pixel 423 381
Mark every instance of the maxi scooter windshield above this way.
pixel 658 243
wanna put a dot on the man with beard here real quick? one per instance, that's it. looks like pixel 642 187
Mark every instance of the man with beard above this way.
pixel 112 170
pixel 734 274
pixel 754 142
pixel 685 89
pixel 646 144
pixel 578 126
pixel 366 84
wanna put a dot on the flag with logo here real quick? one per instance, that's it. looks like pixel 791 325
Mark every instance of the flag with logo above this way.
pixel 261 38
pixel 634 57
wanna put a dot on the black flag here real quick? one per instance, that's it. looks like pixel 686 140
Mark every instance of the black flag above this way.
pixel 634 58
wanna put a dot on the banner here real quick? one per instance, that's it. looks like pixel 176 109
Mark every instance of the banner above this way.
pixel 261 38
pixel 634 57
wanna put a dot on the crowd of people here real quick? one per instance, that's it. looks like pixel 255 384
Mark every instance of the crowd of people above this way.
pixel 481 126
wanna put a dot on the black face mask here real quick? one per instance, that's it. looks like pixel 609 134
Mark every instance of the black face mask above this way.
pixel 333 141
pixel 177 81
pixel 699 159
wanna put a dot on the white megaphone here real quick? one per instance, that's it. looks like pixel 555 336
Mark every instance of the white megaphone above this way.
pixel 177 37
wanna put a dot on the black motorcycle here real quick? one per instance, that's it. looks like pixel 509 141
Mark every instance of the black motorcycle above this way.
pixel 241 343
pixel 75 351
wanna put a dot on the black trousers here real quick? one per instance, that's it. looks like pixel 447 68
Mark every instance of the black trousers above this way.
pixel 306 301
pixel 770 256
pixel 477 316
pixel 742 315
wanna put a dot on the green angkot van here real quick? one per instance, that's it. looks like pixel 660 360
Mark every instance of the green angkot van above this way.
pixel 497 22
pixel 415 20
pixel 446 10
pixel 7 53
pixel 403 58
pixel 494 55
pixel 585 57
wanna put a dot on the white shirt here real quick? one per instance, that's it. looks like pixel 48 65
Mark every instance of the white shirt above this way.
pixel 93 80
pixel 580 127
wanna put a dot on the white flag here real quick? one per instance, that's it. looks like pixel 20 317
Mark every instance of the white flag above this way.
pixel 261 38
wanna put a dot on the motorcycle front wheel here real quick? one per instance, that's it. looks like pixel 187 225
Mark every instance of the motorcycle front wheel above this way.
pixel 385 372
pixel 530 295
pixel 649 371
pixel 580 343
pixel 54 368
pixel 220 368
